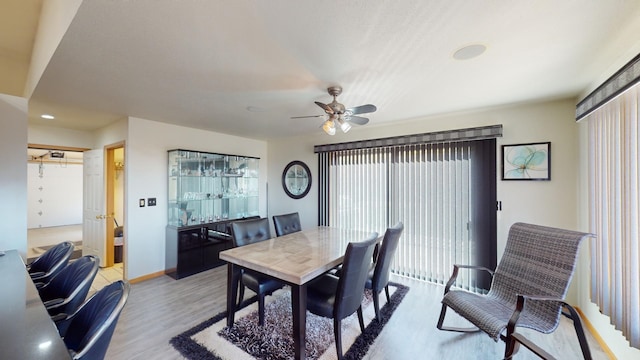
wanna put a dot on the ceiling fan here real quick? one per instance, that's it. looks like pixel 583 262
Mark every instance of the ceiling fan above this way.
pixel 340 116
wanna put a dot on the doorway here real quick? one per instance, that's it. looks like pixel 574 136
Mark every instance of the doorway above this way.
pixel 54 198
pixel 115 210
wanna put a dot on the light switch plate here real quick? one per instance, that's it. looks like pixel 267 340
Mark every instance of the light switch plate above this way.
pixel 141 202
pixel 151 201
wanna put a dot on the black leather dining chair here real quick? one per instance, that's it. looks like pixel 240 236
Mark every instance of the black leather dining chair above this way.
pixel 247 232
pixel 69 288
pixel 378 278
pixel 286 223
pixel 52 261
pixel 338 297
pixel 87 332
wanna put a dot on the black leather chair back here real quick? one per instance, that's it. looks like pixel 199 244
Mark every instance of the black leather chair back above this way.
pixel 69 288
pixel 90 329
pixel 385 256
pixel 286 224
pixel 250 231
pixel 355 270
pixel 47 265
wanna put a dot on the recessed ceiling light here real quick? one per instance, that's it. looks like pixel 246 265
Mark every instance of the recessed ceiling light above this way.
pixel 47 116
pixel 469 52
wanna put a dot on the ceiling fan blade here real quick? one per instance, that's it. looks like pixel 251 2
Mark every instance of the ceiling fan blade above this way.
pixel 362 109
pixel 325 107
pixel 358 120
pixel 310 116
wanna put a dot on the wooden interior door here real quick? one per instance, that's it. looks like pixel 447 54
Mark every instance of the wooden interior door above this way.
pixel 93 204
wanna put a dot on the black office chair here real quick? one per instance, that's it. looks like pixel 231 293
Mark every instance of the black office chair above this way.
pixel 88 331
pixel 247 232
pixel 338 297
pixel 52 261
pixel 379 274
pixel 69 288
pixel 286 223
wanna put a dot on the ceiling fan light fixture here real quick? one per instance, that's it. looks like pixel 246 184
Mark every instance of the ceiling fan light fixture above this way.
pixel 329 127
pixel 344 126
pixel 337 115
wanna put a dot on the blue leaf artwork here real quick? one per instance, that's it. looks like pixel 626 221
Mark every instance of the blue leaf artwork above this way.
pixel 526 161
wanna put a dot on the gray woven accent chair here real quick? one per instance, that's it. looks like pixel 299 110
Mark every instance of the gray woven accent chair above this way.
pixel 528 289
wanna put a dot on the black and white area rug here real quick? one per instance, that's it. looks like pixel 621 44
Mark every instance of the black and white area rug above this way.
pixel 212 339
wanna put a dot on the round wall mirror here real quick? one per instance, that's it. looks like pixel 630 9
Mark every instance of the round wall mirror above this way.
pixel 296 179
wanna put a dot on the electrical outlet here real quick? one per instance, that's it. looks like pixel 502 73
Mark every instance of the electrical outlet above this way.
pixel 151 201
pixel 141 202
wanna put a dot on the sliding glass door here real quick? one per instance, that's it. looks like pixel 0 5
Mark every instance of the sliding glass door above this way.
pixel 444 193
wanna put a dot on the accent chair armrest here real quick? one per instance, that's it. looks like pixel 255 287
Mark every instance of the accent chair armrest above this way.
pixel 457 267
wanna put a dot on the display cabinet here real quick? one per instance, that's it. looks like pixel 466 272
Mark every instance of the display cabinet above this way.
pixel 206 192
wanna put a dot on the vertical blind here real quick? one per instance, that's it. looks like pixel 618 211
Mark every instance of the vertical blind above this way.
pixel 614 196
pixel 430 188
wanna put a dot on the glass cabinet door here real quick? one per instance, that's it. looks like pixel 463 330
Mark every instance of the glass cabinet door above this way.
pixel 209 187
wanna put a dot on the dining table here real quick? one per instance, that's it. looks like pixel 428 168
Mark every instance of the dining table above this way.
pixel 26 328
pixel 295 259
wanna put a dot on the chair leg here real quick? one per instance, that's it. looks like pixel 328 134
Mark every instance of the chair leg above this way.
pixel 241 295
pixel 511 347
pixel 261 309
pixel 577 325
pixel 443 312
pixel 361 318
pixel 376 305
pixel 451 328
pixel 337 331
pixel 386 290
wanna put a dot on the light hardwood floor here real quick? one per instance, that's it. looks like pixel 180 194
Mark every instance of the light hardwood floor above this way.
pixel 161 308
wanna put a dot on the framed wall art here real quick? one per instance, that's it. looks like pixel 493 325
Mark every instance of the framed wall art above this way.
pixel 526 161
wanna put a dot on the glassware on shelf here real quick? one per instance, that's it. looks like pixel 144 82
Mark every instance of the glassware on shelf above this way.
pixel 209 187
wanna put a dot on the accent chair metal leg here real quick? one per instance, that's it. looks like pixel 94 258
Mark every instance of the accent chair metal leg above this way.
pixel 440 325
pixel 443 312
pixel 511 347
pixel 582 339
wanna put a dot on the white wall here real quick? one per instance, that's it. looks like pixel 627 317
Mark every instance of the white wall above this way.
pixel 146 176
pixel 13 172
pixel 113 133
pixel 550 203
pixel 48 135
pixel 280 154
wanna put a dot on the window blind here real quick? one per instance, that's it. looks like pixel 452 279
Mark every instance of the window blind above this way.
pixel 614 215
pixel 444 193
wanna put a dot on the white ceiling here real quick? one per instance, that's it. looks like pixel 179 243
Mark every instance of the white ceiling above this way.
pixel 203 63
